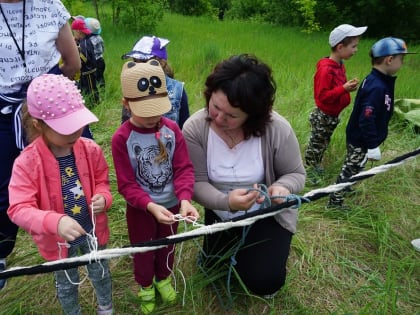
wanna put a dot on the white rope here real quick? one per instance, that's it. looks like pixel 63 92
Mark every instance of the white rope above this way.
pixel 93 250
pixel 210 229
pixel 340 186
pixel 118 252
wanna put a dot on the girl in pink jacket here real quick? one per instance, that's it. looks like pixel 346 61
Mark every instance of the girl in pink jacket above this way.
pixel 59 189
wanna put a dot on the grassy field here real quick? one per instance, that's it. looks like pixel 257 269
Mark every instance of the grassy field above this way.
pixel 358 262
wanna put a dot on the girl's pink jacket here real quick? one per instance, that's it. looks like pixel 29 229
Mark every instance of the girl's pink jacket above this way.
pixel 36 202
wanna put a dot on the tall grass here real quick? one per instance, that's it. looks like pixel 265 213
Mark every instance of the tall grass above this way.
pixel 358 262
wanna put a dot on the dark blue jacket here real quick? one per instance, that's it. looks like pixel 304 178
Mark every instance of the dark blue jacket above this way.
pixel 373 108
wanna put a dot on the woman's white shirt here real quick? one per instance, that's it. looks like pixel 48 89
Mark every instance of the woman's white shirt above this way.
pixel 239 167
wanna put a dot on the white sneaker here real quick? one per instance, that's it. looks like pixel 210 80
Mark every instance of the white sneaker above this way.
pixel 416 244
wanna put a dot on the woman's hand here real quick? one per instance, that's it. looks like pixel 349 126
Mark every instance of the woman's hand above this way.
pixel 277 190
pixel 69 229
pixel 242 199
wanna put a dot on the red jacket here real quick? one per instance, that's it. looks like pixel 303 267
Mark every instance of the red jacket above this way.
pixel 329 93
pixel 36 202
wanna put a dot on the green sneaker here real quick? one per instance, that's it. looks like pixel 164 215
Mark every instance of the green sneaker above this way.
pixel 166 290
pixel 147 299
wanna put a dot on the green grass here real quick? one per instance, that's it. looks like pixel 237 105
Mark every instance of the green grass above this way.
pixel 360 262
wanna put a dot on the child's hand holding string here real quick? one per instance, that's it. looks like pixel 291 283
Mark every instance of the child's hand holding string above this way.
pixel 187 210
pixel 98 203
pixel 69 229
pixel 161 214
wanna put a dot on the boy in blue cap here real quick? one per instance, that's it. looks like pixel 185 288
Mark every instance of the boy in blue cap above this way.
pixel 367 127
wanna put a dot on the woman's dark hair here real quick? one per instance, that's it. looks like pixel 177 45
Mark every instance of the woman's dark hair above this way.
pixel 249 85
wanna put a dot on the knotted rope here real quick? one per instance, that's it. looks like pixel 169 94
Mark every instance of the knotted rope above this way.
pixel 240 221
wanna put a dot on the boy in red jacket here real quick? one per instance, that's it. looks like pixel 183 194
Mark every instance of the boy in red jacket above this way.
pixel 332 95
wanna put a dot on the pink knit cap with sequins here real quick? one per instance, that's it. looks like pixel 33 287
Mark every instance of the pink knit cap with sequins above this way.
pixel 56 100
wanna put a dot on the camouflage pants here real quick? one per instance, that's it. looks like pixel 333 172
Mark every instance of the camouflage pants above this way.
pixel 354 163
pixel 322 128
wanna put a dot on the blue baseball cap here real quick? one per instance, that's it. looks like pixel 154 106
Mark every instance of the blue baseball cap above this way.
pixel 389 46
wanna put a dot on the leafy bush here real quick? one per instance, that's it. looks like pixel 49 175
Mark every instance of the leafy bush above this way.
pixel 394 18
pixel 283 12
pixel 141 16
pixel 191 7
pixel 245 9
pixel 75 7
pixel 307 12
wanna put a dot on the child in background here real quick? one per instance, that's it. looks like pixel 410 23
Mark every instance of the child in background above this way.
pixel 152 47
pixel 154 175
pixel 332 95
pixel 98 48
pixel 87 81
pixel 59 189
pixel 367 128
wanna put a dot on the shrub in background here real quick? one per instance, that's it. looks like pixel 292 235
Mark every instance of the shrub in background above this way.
pixel 191 7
